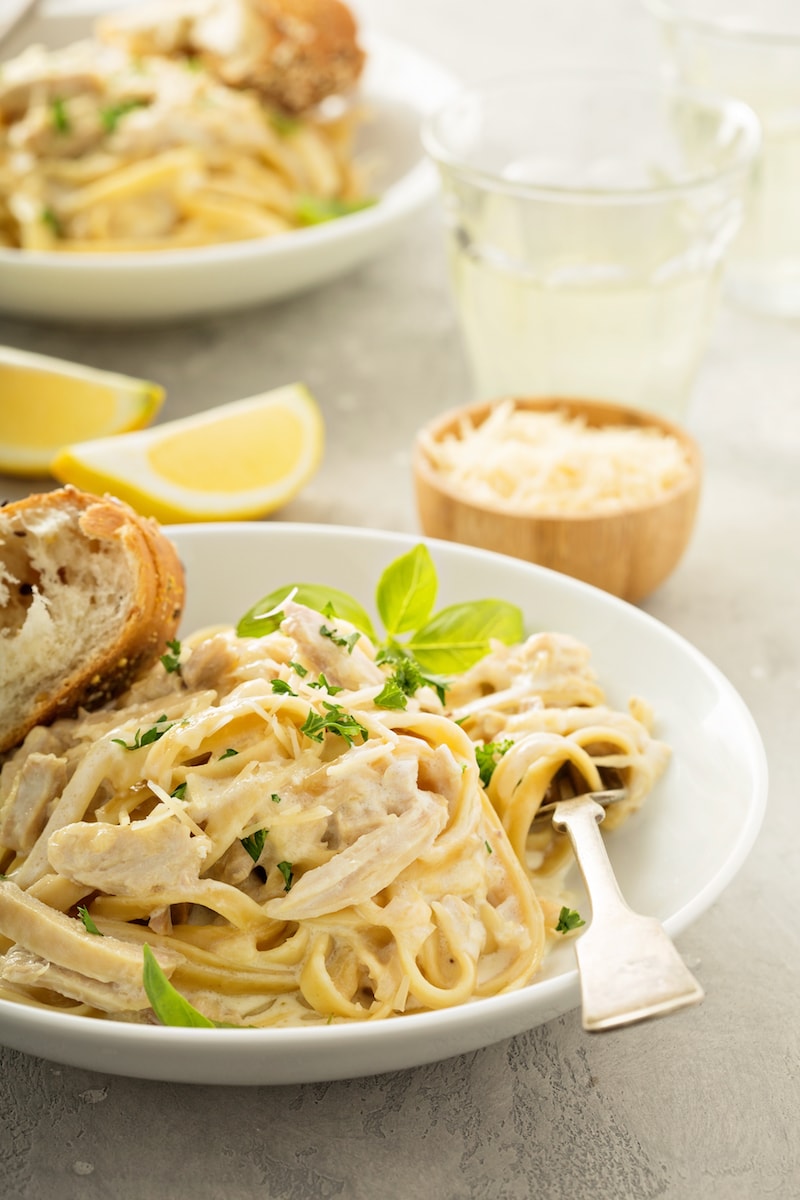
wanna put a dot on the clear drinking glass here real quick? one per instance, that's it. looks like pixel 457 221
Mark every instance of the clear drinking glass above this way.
pixel 587 218
pixel 751 49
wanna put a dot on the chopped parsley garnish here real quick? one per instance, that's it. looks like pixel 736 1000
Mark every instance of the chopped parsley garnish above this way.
pixel 488 848
pixel 180 791
pixel 488 756
pixel 50 219
pixel 58 115
pixel 348 642
pixel 172 659
pixel 146 738
pixel 281 688
pixel 391 695
pixel 569 919
pixel 287 872
pixel 229 753
pixel 275 798
pixel 334 720
pixel 299 669
pixel 408 674
pixel 113 114
pixel 88 923
pixel 322 682
pixel 254 844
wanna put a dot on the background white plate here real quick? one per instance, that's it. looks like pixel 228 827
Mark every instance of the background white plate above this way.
pixel 673 858
pixel 398 87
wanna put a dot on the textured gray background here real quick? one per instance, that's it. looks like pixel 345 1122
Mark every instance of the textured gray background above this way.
pixel 701 1105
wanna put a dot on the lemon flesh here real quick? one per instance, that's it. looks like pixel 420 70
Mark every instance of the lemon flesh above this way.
pixel 234 462
pixel 249 449
pixel 46 404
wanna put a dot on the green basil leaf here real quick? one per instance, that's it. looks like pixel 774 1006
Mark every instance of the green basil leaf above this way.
pixel 455 638
pixel 255 622
pixel 406 591
pixel 166 1001
pixel 313 210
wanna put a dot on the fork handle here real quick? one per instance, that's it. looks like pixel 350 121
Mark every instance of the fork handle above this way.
pixel 579 819
pixel 629 967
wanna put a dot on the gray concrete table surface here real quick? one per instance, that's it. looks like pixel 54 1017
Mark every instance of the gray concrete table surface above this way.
pixel 700 1105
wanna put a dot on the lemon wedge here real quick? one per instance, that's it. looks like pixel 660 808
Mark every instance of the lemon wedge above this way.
pixel 46 403
pixel 238 461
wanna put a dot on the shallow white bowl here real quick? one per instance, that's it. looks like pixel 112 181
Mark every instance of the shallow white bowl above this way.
pixel 398 87
pixel 672 859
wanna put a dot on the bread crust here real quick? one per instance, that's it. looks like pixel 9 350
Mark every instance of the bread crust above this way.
pixel 152 614
pixel 295 53
pixel 310 52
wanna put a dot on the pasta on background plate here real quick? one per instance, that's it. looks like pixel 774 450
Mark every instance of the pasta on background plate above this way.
pixel 292 847
pixel 148 138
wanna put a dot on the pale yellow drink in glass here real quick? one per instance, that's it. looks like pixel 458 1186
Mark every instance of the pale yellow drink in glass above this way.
pixel 587 219
pixel 637 341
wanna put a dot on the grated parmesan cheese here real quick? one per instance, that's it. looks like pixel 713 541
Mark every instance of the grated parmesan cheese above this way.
pixel 547 462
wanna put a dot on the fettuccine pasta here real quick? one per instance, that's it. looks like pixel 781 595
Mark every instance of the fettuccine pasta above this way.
pixel 292 851
pixel 101 151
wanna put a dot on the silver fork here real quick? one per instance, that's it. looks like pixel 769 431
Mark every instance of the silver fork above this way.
pixel 629 968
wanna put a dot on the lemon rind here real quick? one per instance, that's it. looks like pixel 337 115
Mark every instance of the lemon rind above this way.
pixel 85 466
pixel 141 408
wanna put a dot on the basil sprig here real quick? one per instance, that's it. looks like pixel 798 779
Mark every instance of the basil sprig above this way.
pixel 446 642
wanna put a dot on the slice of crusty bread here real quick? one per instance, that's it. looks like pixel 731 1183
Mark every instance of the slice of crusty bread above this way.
pixel 90 593
pixel 294 53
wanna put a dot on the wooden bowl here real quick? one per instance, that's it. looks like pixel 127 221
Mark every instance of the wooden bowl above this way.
pixel 628 552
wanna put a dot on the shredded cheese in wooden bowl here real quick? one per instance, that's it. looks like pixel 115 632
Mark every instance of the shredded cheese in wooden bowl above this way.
pixel 599 491
pixel 531 461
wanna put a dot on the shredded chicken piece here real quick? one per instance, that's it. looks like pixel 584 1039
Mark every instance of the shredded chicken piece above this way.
pixel 344 666
pixel 210 664
pixel 367 866
pixel 142 859
pixel 40 780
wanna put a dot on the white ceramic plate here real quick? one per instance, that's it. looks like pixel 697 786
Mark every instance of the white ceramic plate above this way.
pixel 673 858
pixel 398 87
